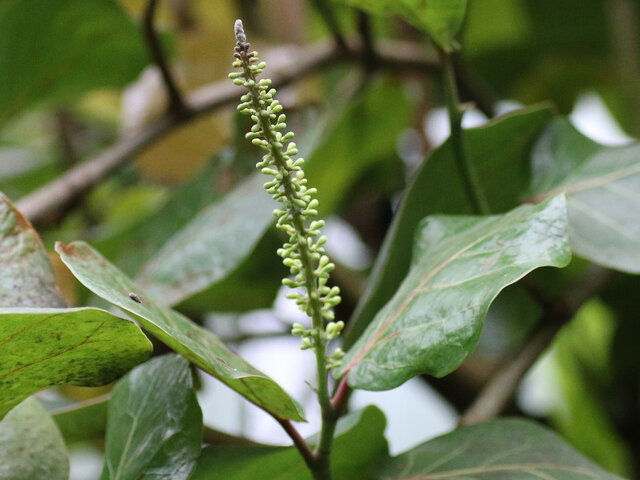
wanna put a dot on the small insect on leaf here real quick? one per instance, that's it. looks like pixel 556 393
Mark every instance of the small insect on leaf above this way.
pixel 135 298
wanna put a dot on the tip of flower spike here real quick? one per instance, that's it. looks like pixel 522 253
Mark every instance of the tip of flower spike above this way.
pixel 238 29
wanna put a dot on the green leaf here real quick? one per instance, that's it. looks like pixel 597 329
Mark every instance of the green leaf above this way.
pixel 601 184
pixel 156 410
pixel 44 347
pixel 508 449
pixel 32 447
pixel 27 277
pixel 210 246
pixel 198 345
pixel 83 421
pixel 460 264
pixel 358 444
pixel 441 19
pixel 65 48
pixel 501 152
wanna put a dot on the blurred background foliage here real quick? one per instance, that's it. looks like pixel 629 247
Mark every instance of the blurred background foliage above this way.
pixel 76 78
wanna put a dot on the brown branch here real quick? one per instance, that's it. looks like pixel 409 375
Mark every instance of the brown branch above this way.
pixel 501 387
pixel 61 191
pixel 299 442
pixel 176 102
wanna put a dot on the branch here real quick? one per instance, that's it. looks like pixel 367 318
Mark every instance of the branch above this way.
pixel 64 189
pixel 176 102
pixel 493 399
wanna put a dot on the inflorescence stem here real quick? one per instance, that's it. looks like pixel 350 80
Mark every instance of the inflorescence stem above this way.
pixel 303 253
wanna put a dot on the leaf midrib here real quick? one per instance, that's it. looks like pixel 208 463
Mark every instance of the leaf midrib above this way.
pixel 589 183
pixel 371 344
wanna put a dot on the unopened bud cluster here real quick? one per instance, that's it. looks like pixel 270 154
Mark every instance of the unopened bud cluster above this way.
pixel 303 254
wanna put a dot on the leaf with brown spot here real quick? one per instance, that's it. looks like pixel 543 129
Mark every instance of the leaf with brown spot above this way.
pixel 43 347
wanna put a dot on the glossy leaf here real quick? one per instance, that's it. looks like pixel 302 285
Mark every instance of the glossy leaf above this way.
pixel 44 347
pixel 501 152
pixel 460 264
pixel 32 447
pixel 81 44
pixel 156 410
pixel 198 345
pixel 502 449
pixel 441 19
pixel 211 245
pixel 602 185
pixel 27 278
pixel 358 444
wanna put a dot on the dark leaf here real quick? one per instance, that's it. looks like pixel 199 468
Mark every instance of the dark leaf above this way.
pixel 156 410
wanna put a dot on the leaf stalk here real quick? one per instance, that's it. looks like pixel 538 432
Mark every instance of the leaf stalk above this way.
pixel 463 161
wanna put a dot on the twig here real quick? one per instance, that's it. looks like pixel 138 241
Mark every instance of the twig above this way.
pixel 326 11
pixel 61 191
pixel 176 102
pixel 500 389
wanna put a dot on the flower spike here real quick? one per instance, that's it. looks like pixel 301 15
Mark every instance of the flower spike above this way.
pixel 303 253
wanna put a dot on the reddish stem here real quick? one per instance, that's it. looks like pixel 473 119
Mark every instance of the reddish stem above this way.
pixel 298 441
pixel 341 397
